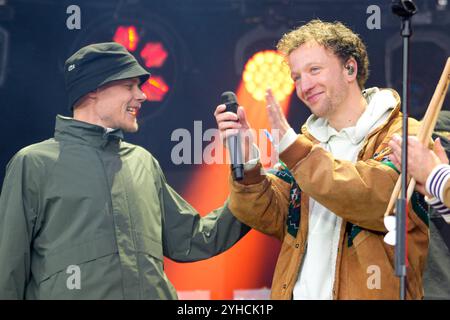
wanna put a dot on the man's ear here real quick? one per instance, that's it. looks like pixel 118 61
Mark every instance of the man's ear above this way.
pixel 351 69
pixel 86 99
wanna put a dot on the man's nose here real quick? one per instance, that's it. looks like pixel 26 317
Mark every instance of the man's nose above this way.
pixel 140 95
pixel 306 84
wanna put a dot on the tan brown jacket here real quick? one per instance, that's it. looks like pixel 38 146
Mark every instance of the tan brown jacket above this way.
pixel 358 193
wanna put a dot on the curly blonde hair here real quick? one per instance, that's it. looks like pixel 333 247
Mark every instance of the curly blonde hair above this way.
pixel 334 36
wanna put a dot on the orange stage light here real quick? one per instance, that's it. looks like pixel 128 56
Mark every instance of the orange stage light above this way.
pixel 155 88
pixel 127 36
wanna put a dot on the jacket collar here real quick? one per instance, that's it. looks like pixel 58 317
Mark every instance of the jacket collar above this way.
pixel 69 129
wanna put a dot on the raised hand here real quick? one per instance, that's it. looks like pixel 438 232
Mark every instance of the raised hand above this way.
pixel 277 119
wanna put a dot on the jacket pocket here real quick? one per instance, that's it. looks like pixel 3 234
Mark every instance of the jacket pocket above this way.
pixel 370 268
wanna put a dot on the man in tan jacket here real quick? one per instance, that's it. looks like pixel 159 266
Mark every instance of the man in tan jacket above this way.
pixel 326 202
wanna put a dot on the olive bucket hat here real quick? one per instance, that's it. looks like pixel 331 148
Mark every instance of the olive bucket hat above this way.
pixel 97 64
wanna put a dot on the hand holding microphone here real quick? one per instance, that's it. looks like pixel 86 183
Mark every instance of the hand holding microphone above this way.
pixel 235 132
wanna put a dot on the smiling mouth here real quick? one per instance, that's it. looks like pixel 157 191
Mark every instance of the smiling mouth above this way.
pixel 133 111
pixel 313 97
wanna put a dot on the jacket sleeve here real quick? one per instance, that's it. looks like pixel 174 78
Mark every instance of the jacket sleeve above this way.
pixel 358 192
pixel 189 237
pixel 261 201
pixel 18 211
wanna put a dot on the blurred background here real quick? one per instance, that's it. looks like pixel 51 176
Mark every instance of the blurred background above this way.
pixel 195 50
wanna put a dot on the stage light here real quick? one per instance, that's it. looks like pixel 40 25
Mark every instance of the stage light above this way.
pixel 154 43
pixel 155 88
pixel 127 36
pixel 267 69
pixel 441 5
pixel 154 54
pixel 260 65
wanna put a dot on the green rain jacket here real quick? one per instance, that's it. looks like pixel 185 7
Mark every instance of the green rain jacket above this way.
pixel 86 204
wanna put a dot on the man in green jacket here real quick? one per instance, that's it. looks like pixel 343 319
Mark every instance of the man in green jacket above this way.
pixel 85 215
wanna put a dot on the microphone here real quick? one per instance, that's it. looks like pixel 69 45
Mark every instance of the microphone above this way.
pixel 403 8
pixel 234 142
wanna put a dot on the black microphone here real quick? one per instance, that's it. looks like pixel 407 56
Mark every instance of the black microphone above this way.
pixel 234 142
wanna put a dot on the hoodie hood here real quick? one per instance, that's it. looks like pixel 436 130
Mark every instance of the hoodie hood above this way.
pixel 380 103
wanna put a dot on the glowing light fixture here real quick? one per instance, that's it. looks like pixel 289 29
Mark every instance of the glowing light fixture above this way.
pixel 267 69
pixel 154 43
pixel 154 54
pixel 127 36
pixel 155 88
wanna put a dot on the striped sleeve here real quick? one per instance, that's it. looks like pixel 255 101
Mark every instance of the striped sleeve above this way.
pixel 437 205
pixel 436 181
pixel 435 186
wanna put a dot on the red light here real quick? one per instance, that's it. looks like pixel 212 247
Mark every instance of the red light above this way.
pixel 155 88
pixel 154 54
pixel 127 36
